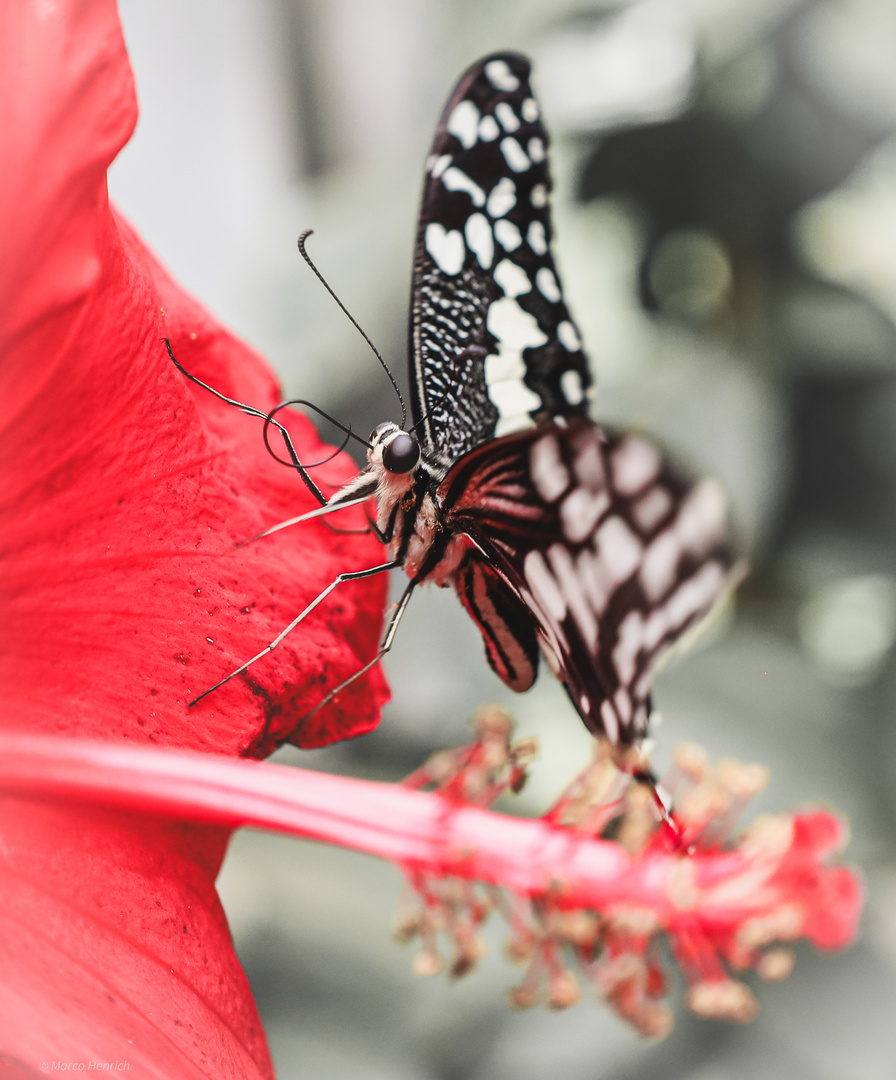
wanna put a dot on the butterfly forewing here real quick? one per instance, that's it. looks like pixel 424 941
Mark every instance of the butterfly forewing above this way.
pixel 493 346
pixel 610 552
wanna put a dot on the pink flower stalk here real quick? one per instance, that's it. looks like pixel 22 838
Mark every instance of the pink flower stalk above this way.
pixel 724 904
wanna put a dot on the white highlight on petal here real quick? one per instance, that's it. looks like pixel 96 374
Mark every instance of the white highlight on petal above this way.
pixel 515 330
pixel 507 234
pixel 571 387
pixel 652 507
pixel 488 129
pixel 546 468
pixel 539 196
pixel 618 548
pixel 568 336
pixel 480 241
pixel 508 118
pixel 502 197
pixel 500 76
pixel 529 110
pixel 463 123
pixel 635 463
pixel 565 574
pixel 580 512
pixel 456 179
pixel 513 279
pixel 440 164
pixel 537 239
pixel 536 150
pixel 445 248
pixel 547 284
pixel 514 155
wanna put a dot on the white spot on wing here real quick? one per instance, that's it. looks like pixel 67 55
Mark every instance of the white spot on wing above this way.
pixel 594 580
pixel 537 238
pixel 652 507
pixel 629 642
pixel 536 150
pixel 508 118
pixel 588 465
pixel 512 279
pixel 623 704
pixel 539 196
pixel 456 179
pixel 549 474
pixel 571 386
pixel 500 76
pixel 618 548
pixel 611 724
pixel 659 565
pixel 479 238
pixel 440 164
pixel 502 197
pixel 463 123
pixel 635 463
pixel 568 336
pixel 544 588
pixel 701 520
pixel 565 574
pixel 547 284
pixel 515 155
pixel 580 512
pixel 507 234
pixel 488 129
pixel 529 110
pixel 515 330
pixel 445 248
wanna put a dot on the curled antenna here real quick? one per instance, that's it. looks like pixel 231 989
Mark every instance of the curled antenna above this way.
pixel 304 236
pixel 349 434
pixel 290 449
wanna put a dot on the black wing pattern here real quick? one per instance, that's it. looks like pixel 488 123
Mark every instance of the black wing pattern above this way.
pixel 611 553
pixel 584 545
pixel 493 346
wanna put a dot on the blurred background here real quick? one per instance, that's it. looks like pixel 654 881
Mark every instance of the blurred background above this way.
pixel 725 210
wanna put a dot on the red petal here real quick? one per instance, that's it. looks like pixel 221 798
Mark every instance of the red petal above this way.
pixel 116 949
pixel 122 493
pixel 123 596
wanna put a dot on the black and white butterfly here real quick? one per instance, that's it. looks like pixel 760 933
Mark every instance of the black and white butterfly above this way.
pixel 559 538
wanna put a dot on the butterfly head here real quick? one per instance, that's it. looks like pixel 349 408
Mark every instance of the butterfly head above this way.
pixel 392 449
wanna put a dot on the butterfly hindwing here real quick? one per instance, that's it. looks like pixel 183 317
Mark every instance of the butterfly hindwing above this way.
pixel 613 556
pixel 492 345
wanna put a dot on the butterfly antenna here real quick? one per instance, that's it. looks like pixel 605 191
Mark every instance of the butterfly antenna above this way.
pixel 304 236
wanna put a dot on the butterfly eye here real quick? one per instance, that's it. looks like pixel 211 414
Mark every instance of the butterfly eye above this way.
pixel 402 454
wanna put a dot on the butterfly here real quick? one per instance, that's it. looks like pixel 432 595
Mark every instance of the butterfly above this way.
pixel 561 539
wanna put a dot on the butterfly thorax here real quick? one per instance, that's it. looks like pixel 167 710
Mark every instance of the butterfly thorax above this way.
pixel 409 515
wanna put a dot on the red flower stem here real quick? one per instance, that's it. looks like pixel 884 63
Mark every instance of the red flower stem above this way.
pixel 408 827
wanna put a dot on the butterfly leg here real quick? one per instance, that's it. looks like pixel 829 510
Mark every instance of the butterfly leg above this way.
pixel 354 575
pixel 385 646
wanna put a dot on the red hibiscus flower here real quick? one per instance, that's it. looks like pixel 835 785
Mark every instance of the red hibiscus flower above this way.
pixel 124 491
